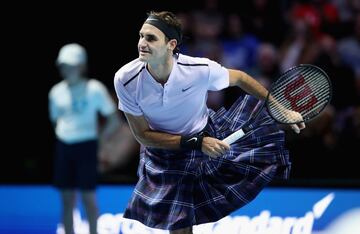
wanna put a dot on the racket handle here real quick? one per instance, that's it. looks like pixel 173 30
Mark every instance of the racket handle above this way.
pixel 234 137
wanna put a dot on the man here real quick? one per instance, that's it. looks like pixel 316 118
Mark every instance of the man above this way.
pixel 163 95
pixel 74 104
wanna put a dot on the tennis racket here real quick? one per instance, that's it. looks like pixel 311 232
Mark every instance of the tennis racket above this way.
pixel 303 90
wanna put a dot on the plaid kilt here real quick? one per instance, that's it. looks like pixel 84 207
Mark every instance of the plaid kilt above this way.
pixel 178 189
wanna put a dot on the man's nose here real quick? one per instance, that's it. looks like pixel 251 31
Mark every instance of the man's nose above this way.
pixel 142 43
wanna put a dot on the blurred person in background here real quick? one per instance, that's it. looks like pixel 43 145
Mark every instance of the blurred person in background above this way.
pixel 239 47
pixel 349 49
pixel 74 105
pixel 207 24
pixel 299 46
pixel 321 15
pixel 342 75
pixel 264 19
pixel 267 67
pixel 347 9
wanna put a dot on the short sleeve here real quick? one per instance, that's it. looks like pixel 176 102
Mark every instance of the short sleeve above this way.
pixel 218 77
pixel 126 103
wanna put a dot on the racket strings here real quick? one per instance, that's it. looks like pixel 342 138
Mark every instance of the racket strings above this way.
pixel 305 89
pixel 288 76
pixel 288 79
pixel 318 85
pixel 312 84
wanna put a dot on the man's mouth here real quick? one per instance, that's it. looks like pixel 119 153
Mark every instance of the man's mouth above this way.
pixel 144 51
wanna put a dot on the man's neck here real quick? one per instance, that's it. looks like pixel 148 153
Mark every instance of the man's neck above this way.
pixel 161 71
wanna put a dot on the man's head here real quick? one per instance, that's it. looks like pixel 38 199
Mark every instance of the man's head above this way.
pixel 160 36
pixel 71 61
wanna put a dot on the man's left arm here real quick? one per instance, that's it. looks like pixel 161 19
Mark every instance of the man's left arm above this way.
pixel 247 83
pixel 254 88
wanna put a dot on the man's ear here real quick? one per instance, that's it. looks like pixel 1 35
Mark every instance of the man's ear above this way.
pixel 172 44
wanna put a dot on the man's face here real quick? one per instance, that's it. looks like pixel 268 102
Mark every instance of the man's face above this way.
pixel 152 45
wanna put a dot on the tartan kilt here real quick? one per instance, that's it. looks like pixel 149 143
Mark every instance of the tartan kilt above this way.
pixel 178 188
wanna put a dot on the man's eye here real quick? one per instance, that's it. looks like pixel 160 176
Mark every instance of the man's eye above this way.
pixel 150 38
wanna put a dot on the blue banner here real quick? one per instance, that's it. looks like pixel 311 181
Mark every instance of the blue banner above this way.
pixel 36 209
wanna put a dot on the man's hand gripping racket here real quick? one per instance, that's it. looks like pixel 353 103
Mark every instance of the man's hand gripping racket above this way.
pixel 296 97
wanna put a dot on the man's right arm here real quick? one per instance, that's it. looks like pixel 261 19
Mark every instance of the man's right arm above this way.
pixel 147 137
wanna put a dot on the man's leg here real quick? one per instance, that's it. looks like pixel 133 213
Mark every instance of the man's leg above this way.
pixel 89 201
pixel 68 203
pixel 187 230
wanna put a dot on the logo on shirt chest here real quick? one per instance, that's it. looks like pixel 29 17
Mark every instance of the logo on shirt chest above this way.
pixel 185 89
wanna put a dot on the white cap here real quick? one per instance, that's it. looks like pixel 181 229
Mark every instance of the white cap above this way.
pixel 72 54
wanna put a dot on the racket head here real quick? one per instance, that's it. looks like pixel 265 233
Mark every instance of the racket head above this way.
pixel 304 88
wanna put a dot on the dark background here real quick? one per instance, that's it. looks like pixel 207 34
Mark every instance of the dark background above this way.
pixel 109 32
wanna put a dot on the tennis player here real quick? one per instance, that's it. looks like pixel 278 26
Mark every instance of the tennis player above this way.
pixel 187 175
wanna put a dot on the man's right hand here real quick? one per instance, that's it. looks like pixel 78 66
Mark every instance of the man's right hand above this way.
pixel 214 147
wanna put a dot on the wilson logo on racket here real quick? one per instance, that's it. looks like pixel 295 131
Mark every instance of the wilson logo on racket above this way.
pixel 300 95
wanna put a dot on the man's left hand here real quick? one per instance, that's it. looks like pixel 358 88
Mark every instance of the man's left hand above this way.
pixel 294 116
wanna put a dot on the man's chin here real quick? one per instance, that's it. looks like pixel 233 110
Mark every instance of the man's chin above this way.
pixel 143 58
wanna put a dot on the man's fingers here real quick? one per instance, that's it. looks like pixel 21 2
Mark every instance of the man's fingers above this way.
pixel 214 147
pixel 219 150
pixel 224 145
pixel 301 125
pixel 295 128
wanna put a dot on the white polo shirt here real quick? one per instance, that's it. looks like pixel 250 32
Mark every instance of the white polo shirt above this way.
pixel 75 109
pixel 178 107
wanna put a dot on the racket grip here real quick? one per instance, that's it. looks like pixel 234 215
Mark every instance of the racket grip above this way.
pixel 234 137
